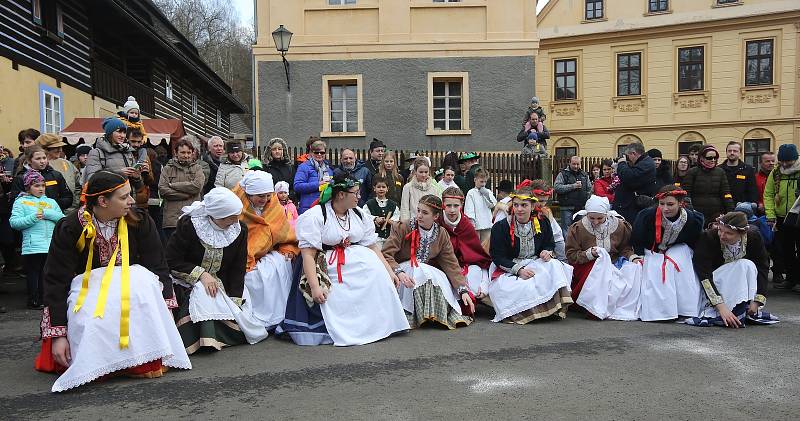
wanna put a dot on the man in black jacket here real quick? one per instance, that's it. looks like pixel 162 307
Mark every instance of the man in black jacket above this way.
pixel 637 175
pixel 741 176
pixel 573 187
pixel 376 151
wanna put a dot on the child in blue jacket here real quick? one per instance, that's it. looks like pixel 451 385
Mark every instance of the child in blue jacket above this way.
pixel 35 215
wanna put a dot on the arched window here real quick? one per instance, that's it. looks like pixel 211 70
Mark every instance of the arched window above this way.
pixel 756 142
pixel 687 140
pixel 623 141
pixel 565 147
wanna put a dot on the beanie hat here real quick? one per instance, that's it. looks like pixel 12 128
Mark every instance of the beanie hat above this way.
pixel 32 177
pixel 233 147
pixel 130 104
pixel 746 208
pixel 82 150
pixel 787 152
pixel 112 124
pixel 654 153
pixel 376 143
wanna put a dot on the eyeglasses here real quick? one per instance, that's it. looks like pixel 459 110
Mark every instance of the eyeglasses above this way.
pixel 357 192
pixel 711 158
pixel 319 152
pixel 120 131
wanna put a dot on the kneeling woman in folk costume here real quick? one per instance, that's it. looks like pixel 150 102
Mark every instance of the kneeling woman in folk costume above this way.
pixel 472 257
pixel 344 272
pixel 665 236
pixel 114 316
pixel 527 283
pixel 732 263
pixel 207 255
pixel 543 192
pixel 607 278
pixel 431 282
pixel 271 246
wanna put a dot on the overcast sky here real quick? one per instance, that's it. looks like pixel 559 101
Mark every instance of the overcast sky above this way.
pixel 245 8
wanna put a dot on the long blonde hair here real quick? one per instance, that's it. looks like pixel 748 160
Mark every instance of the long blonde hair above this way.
pixel 395 174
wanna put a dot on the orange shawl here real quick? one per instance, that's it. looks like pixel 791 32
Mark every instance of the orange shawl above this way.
pixel 270 231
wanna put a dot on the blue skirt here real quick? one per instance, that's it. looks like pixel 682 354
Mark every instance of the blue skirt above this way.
pixel 303 324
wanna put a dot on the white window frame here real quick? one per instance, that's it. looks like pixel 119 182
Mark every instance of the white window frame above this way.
pixel 168 91
pixel 447 1
pixel 341 2
pixel 55 114
pixel 219 119
pixel 463 78
pixel 194 104
pixel 333 80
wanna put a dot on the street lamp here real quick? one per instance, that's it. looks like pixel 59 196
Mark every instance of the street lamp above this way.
pixel 282 38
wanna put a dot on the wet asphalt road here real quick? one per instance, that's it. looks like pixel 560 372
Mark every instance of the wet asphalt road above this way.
pixel 570 369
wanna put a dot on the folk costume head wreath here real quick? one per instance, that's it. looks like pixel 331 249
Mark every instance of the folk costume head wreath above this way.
pixel 736 221
pixel 525 192
pixel 329 190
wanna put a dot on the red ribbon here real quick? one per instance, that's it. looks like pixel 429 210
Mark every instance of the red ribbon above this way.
pixel 414 237
pixel 337 255
pixel 664 268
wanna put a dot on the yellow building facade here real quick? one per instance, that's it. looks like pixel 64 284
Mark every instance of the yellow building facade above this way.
pixel 669 73
pixel 21 102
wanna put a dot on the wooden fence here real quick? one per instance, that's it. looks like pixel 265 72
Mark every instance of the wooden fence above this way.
pixel 501 165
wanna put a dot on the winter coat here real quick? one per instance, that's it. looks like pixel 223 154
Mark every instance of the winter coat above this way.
pixel 213 168
pixel 281 169
pixel 742 182
pixel 106 156
pixel 412 193
pixel 395 186
pixel 568 196
pixel 55 187
pixel 306 184
pixel 780 192
pixel 761 184
pixel 229 174
pixel 179 186
pixel 361 173
pixel 639 178
pixel 709 192
pixel 36 233
pixel 602 188
pixel 478 206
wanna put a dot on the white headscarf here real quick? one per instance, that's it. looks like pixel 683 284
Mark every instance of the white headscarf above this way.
pixel 218 203
pixel 257 182
pixel 596 204
pixel 282 186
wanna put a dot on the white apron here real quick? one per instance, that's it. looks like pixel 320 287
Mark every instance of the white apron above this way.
pixel 736 282
pixel 675 294
pixel 422 274
pixel 94 341
pixel 268 285
pixel 611 293
pixel 202 307
pixel 477 279
pixel 365 307
pixel 511 294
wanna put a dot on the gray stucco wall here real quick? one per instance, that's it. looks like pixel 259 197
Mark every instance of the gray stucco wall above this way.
pixel 395 101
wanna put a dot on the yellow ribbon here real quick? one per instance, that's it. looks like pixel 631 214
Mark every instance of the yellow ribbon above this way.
pixel 90 232
pixel 537 228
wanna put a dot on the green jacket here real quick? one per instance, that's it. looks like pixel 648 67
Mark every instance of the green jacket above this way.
pixel 778 199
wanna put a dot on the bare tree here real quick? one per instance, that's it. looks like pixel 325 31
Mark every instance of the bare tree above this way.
pixel 221 40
